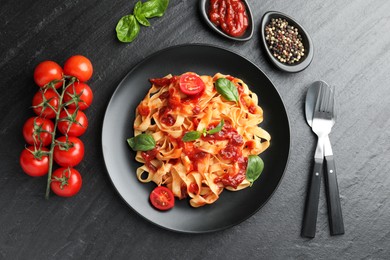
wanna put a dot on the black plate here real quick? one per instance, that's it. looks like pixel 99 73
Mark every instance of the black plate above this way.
pixel 232 207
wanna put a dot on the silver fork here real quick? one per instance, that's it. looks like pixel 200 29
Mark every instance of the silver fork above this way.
pixel 335 215
pixel 323 120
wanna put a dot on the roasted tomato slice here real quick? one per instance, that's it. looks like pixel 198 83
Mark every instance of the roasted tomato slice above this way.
pixel 162 198
pixel 191 84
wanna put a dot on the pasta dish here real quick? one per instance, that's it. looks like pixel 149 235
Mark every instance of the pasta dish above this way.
pixel 200 141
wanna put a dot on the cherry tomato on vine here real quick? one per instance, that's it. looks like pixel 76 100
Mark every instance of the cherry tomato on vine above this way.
pixel 68 153
pixel 72 122
pixel 47 71
pixel 43 103
pixel 34 162
pixel 80 93
pixel 191 84
pixel 66 182
pixel 162 198
pixel 79 67
pixel 38 131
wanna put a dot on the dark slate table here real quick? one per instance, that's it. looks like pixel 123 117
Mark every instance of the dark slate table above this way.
pixel 352 52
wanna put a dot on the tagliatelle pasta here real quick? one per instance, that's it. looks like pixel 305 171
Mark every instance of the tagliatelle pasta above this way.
pixel 202 168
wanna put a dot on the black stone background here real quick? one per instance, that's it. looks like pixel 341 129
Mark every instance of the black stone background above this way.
pixel 352 52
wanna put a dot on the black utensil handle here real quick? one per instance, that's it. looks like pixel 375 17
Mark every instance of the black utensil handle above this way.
pixel 312 198
pixel 335 215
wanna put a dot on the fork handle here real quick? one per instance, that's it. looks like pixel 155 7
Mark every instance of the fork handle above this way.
pixel 312 199
pixel 335 215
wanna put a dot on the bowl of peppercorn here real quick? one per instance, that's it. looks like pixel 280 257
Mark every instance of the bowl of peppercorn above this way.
pixel 286 43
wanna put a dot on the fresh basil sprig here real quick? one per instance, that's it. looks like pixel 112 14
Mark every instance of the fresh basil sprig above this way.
pixel 139 15
pixel 254 168
pixel 128 27
pixel 142 142
pixel 193 135
pixel 216 129
pixel 154 8
pixel 227 89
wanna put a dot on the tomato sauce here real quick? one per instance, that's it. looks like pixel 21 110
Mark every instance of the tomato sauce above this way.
pixel 148 156
pixel 194 154
pixel 233 152
pixel 173 100
pixel 165 117
pixel 230 15
pixel 233 180
pixel 143 110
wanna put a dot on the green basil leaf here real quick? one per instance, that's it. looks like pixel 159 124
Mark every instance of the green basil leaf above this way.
pixel 227 89
pixel 217 128
pixel 191 136
pixel 254 168
pixel 139 15
pixel 142 142
pixel 127 28
pixel 154 8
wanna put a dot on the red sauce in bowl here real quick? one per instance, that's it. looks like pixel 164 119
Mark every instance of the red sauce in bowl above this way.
pixel 230 16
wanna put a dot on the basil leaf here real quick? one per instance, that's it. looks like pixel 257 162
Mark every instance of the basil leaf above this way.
pixel 139 15
pixel 254 168
pixel 191 136
pixel 154 8
pixel 142 142
pixel 127 28
pixel 217 128
pixel 227 89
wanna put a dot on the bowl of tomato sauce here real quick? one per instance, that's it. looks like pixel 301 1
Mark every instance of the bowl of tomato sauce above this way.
pixel 231 19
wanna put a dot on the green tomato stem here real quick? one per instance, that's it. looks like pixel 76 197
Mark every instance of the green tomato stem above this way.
pixel 53 134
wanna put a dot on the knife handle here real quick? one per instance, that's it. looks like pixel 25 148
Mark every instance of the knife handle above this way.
pixel 333 198
pixel 312 199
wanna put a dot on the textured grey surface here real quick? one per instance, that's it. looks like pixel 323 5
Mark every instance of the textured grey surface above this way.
pixel 352 52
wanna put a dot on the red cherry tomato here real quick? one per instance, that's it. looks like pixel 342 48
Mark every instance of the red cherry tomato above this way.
pixel 47 71
pixel 79 67
pixel 43 103
pixel 72 123
pixel 34 162
pixel 37 130
pixel 162 198
pixel 68 153
pixel 80 93
pixel 66 182
pixel 191 84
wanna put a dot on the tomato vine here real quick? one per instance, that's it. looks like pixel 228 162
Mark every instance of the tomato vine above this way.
pixel 64 87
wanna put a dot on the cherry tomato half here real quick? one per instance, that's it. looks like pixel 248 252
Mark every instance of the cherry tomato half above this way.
pixel 37 130
pixel 43 103
pixel 79 67
pixel 162 198
pixel 80 93
pixel 47 71
pixel 191 84
pixel 34 162
pixel 66 182
pixel 72 123
pixel 68 153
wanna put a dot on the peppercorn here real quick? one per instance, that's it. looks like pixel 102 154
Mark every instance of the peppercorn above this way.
pixel 284 41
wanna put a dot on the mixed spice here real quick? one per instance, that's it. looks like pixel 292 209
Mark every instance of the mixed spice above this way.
pixel 284 41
